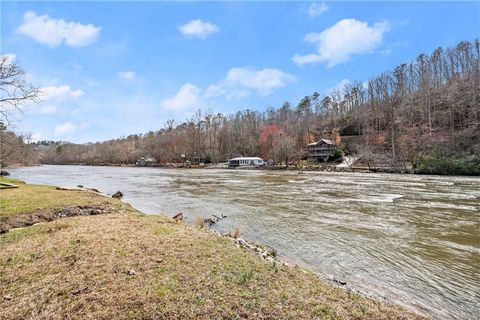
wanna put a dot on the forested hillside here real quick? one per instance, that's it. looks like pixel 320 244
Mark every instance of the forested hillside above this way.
pixel 425 113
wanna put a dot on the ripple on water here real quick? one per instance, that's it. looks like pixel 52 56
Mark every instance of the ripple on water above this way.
pixel 413 239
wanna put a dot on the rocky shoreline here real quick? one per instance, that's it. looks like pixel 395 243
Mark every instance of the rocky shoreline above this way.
pixel 307 168
pixel 271 255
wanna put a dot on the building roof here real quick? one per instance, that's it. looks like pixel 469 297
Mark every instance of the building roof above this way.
pixel 247 158
pixel 321 140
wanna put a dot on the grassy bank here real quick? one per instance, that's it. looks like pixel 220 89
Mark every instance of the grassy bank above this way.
pixel 114 262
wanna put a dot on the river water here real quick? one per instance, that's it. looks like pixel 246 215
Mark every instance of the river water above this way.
pixel 409 239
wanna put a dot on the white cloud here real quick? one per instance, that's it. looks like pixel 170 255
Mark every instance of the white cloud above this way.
pixel 237 83
pixel 65 128
pixel 308 58
pixel 343 40
pixel 127 75
pixel 53 96
pixel 316 8
pixel 61 93
pixel 240 81
pixel 54 32
pixel 198 28
pixel 186 98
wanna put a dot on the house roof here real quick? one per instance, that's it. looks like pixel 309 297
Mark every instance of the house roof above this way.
pixel 247 158
pixel 321 140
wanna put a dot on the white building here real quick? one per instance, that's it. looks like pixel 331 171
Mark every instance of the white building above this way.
pixel 246 162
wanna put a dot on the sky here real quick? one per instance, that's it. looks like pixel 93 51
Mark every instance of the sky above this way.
pixel 113 68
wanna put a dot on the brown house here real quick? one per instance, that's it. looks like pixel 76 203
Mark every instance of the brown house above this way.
pixel 320 150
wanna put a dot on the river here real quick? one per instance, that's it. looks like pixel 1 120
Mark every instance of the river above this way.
pixel 410 239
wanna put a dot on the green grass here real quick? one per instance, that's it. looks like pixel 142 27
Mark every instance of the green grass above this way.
pixel 126 265
pixel 28 198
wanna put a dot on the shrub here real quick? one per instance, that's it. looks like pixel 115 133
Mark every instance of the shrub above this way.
pixel 337 156
pixel 208 159
pixel 437 164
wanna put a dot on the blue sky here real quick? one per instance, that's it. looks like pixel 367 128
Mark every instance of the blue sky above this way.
pixel 109 69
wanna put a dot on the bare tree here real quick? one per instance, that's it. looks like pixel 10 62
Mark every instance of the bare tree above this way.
pixel 284 147
pixel 14 89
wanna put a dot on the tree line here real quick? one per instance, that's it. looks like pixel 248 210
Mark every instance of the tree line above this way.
pixel 418 114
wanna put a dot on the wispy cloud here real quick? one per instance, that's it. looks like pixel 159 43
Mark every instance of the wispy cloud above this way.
pixel 198 28
pixel 68 127
pixel 241 81
pixel 53 32
pixel 65 128
pixel 60 93
pixel 338 87
pixel 53 97
pixel 316 8
pixel 127 75
pixel 337 44
pixel 48 109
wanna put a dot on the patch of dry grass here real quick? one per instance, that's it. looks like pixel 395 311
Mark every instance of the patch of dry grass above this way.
pixel 235 233
pixel 135 266
pixel 198 222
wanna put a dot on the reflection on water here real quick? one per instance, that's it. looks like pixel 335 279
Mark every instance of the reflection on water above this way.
pixel 411 239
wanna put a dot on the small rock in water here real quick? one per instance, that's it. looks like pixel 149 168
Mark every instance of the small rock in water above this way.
pixel 178 217
pixel 117 195
pixel 79 186
pixel 4 173
pixel 208 221
pixel 241 242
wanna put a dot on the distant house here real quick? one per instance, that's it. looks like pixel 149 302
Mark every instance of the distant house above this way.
pixel 320 150
pixel 144 162
pixel 246 162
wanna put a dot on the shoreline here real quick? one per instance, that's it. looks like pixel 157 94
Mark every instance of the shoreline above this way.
pixel 327 169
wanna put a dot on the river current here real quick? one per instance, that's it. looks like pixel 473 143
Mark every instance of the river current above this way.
pixel 409 239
